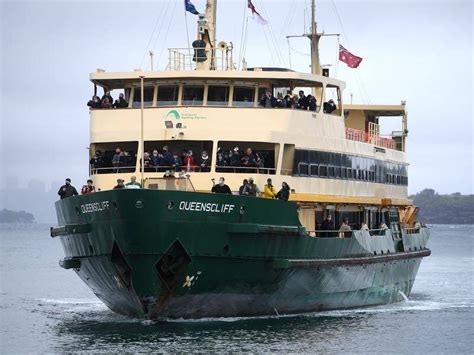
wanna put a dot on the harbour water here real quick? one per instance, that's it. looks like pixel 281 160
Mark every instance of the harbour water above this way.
pixel 44 308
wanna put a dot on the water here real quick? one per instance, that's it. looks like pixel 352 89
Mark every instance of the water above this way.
pixel 47 309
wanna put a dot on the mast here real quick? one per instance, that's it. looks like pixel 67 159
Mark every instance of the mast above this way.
pixel 314 37
pixel 206 38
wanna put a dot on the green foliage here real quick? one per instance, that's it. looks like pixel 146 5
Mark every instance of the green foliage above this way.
pixel 444 209
pixel 7 216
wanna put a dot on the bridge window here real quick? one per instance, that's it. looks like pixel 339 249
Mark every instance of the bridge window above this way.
pixel 193 95
pixel 218 95
pixel 243 96
pixel 111 158
pixel 167 95
pixel 147 96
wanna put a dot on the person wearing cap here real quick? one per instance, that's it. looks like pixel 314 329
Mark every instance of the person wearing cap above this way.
pixel 119 185
pixel 251 189
pixel 221 187
pixel 345 231
pixel 329 106
pixel 67 190
pixel 133 184
pixel 268 190
pixel 88 189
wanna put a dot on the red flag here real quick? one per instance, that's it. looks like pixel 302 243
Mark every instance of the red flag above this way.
pixel 347 57
pixel 260 19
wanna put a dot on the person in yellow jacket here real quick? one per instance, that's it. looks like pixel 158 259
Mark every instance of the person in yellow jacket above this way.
pixel 269 191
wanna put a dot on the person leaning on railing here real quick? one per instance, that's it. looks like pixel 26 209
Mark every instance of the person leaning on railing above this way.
pixel 345 231
pixel 326 226
pixel 268 190
pixel 284 193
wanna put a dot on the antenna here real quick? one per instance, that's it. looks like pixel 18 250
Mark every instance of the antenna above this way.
pixel 151 60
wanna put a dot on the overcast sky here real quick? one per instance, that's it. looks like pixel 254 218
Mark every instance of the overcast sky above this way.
pixel 418 51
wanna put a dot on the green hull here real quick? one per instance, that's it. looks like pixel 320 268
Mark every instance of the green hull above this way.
pixel 148 253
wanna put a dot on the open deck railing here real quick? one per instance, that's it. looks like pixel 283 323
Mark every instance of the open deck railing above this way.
pixel 187 58
pixel 361 136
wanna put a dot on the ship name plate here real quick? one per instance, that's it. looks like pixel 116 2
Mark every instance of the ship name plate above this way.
pixel 95 207
pixel 206 207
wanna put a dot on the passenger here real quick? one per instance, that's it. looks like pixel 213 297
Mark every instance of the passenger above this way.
pixel 116 158
pixel 106 103
pixel 280 100
pixel 67 190
pixel 383 226
pixel 312 104
pixel 284 193
pixel 288 99
pixel 248 159
pixel 88 189
pixel 126 160
pixel 133 184
pixel 167 156
pixel 268 100
pixel 220 159
pixel 95 102
pixel 326 226
pixel 119 185
pixel 269 190
pixel 121 102
pixel 235 157
pixel 329 106
pixel 259 162
pixel 94 162
pixel 176 163
pixel 189 161
pixel 345 231
pixel 302 101
pixel 250 188
pixel 205 162
pixel 157 158
pixel 147 160
pixel 108 97
pixel 241 188
pixel 364 227
pixel 221 187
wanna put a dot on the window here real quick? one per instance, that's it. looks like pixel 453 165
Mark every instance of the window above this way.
pixel 343 166
pixel 147 96
pixel 167 95
pixel 332 93
pixel 112 157
pixel 243 96
pixel 251 157
pixel 193 95
pixel 218 95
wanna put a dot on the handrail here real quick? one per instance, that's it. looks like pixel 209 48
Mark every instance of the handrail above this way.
pixel 361 136
pixel 244 169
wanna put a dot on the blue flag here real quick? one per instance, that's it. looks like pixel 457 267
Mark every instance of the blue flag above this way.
pixel 190 7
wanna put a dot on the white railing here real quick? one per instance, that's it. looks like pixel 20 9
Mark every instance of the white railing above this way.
pixel 189 58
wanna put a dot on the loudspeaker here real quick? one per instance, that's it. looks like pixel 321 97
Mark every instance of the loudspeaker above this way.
pixel 326 72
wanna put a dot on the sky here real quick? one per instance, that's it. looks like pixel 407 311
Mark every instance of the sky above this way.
pixel 418 51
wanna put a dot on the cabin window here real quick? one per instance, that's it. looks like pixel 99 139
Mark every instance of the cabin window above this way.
pixel 247 157
pixel 112 157
pixel 147 96
pixel 243 96
pixel 167 95
pixel 191 154
pixel 343 166
pixel 193 95
pixel 218 95
pixel 332 93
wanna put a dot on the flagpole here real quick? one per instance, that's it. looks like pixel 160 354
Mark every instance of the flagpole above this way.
pixel 187 36
pixel 142 142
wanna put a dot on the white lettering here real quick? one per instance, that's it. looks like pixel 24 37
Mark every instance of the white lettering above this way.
pixel 95 207
pixel 200 207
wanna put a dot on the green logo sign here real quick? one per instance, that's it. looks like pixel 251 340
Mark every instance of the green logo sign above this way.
pixel 173 114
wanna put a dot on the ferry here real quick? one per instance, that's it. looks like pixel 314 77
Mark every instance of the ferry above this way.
pixel 174 249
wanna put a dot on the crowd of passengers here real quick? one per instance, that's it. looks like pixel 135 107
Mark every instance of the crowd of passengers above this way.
pixel 107 101
pixel 235 158
pixel 161 160
pixel 300 101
